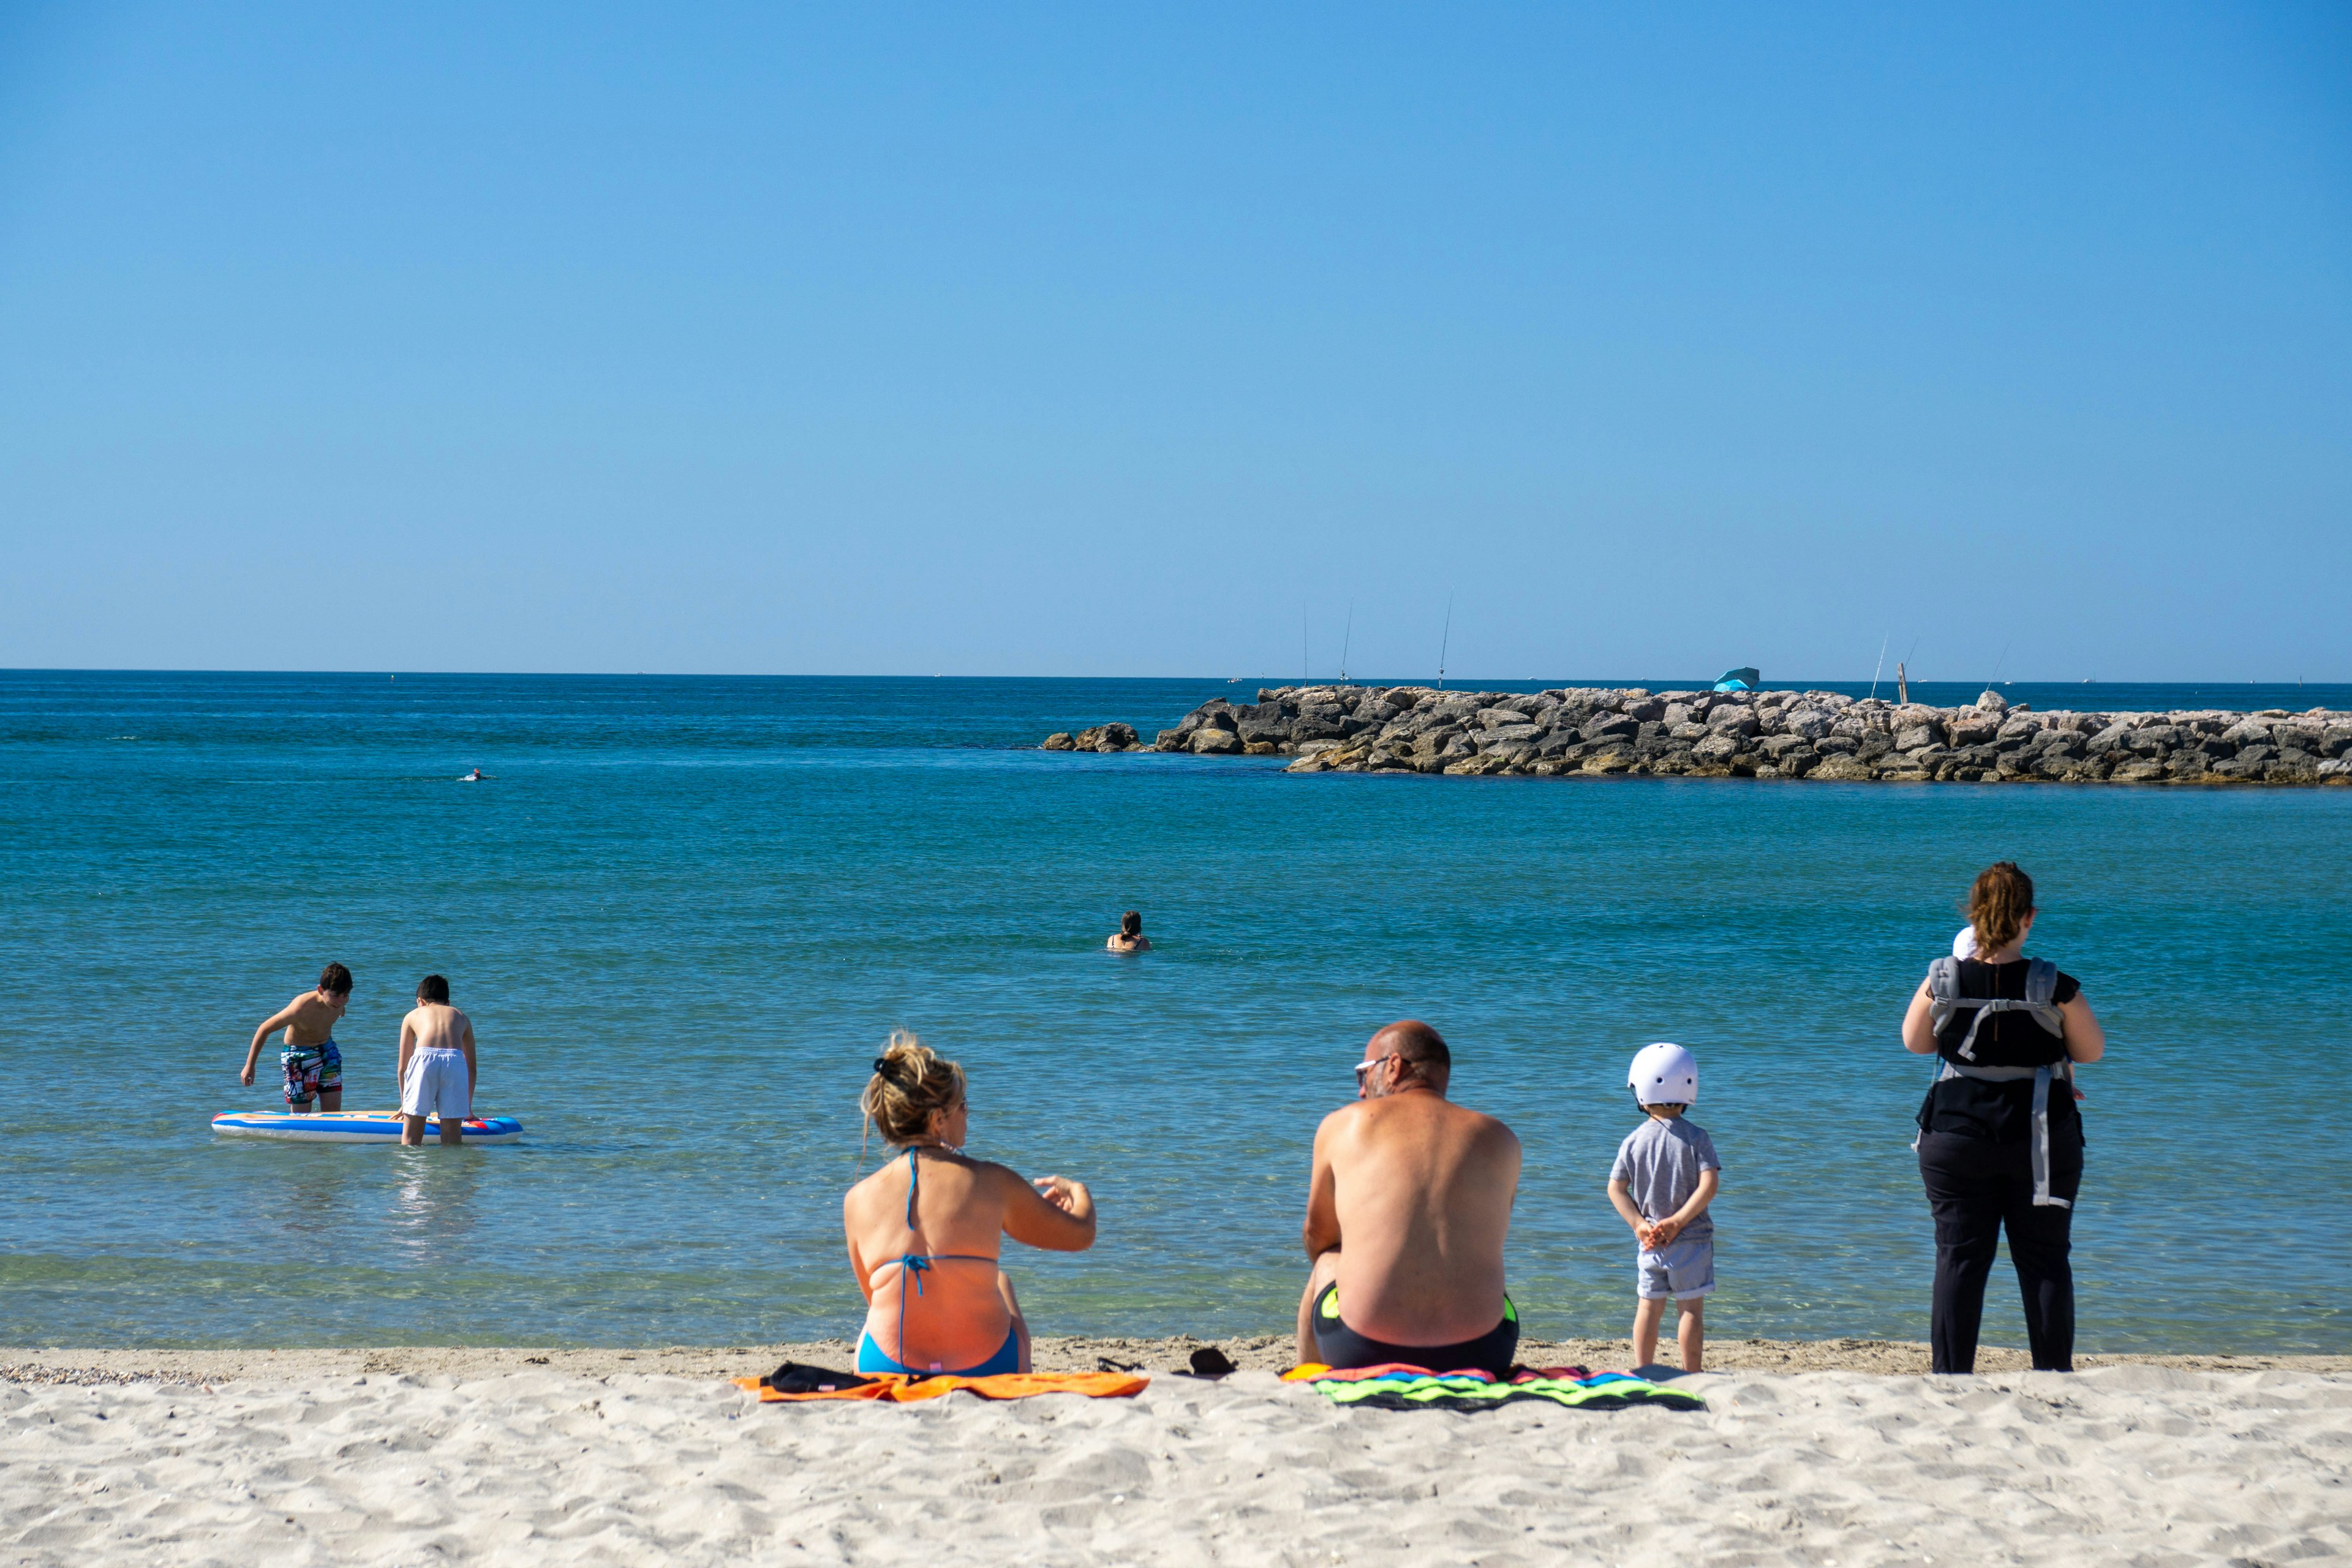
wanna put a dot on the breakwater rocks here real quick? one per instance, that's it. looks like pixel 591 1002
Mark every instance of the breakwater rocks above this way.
pixel 1758 734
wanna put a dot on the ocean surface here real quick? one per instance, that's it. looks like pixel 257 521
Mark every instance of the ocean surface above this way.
pixel 686 911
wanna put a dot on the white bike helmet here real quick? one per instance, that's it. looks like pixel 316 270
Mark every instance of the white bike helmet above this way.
pixel 1663 1074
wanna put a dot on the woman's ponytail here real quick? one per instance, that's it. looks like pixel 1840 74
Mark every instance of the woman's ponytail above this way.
pixel 1999 903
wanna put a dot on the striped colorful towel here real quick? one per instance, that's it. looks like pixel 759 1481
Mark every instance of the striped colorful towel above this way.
pixel 1398 1386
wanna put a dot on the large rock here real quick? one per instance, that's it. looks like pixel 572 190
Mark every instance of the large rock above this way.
pixel 1611 727
pixel 1112 737
pixel 1731 720
pixel 1214 742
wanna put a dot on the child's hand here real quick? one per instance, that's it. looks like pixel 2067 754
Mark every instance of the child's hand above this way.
pixel 246 1077
pixel 1661 1234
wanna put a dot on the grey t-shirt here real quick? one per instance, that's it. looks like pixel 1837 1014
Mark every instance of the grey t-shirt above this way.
pixel 1660 1162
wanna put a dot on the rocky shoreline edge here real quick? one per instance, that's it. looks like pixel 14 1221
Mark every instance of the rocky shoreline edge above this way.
pixel 1594 732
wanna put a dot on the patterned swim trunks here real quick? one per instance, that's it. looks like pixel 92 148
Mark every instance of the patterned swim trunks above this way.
pixel 311 1071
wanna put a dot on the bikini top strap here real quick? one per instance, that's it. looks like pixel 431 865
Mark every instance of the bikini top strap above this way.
pixel 913 1180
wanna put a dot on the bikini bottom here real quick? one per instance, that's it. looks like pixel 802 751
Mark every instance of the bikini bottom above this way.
pixel 1007 1357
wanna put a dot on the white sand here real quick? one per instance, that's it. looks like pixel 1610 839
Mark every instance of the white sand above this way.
pixel 311 1463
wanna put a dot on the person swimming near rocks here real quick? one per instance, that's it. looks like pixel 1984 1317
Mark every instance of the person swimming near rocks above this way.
pixel 1407 1208
pixel 924 1231
pixel 1129 937
pixel 477 776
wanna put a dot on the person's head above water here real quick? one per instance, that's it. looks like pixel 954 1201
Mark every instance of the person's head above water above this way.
pixel 335 980
pixel 433 988
pixel 1406 1055
pixel 2000 907
pixel 915 1095
pixel 1130 924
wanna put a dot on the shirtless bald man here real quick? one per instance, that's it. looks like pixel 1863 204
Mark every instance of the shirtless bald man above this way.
pixel 1406 1211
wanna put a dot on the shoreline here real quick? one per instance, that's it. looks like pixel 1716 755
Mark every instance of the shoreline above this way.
pixel 1875 1358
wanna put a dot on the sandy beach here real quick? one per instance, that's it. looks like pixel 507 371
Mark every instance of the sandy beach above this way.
pixel 1836 1452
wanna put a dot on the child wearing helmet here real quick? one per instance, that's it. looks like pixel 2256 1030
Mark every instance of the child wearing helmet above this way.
pixel 1665 1175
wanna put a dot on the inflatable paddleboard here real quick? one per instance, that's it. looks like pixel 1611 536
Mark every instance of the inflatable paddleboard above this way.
pixel 355 1126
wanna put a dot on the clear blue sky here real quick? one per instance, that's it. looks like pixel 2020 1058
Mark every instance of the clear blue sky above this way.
pixel 1094 339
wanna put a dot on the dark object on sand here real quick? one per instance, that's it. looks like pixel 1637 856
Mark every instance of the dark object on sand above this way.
pixel 797 1377
pixel 1210 1362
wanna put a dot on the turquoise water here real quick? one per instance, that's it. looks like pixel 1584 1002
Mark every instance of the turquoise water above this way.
pixel 687 911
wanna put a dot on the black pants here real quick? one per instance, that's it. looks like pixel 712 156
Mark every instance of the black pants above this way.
pixel 1975 1189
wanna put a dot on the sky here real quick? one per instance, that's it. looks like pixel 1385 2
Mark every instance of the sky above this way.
pixel 1575 341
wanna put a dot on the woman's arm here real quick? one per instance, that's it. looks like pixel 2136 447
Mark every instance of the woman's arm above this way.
pixel 2085 1041
pixel 1918 1027
pixel 856 1259
pixel 1055 1212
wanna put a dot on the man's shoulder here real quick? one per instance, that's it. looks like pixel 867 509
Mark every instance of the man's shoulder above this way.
pixel 1493 1127
pixel 1340 1119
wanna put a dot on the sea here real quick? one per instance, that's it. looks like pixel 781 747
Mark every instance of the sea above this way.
pixel 685 913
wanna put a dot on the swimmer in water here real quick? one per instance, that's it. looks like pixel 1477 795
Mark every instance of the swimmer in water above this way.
pixel 1129 937
pixel 477 776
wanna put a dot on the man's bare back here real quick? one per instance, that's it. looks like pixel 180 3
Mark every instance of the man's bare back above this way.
pixel 1409 1205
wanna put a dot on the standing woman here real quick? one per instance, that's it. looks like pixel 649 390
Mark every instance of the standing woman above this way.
pixel 2000 1142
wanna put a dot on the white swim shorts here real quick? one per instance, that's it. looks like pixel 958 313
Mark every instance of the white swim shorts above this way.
pixel 435 1085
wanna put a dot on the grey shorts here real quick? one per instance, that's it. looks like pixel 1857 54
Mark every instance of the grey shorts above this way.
pixel 1684 1271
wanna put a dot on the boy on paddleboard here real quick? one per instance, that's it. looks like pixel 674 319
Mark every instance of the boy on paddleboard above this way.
pixel 436 1065
pixel 314 1065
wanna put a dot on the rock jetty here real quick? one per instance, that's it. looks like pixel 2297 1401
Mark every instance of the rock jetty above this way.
pixel 1749 734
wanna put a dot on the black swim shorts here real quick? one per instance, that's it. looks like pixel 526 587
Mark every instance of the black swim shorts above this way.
pixel 1342 1346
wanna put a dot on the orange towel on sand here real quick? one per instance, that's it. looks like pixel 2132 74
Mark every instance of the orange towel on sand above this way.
pixel 904 1388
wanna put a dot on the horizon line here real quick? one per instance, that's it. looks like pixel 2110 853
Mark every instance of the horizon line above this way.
pixel 1461 683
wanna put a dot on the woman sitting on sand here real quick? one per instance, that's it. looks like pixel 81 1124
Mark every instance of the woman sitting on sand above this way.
pixel 2001 1143
pixel 924 1231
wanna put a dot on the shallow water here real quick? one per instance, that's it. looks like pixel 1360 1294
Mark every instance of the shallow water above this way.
pixel 686 911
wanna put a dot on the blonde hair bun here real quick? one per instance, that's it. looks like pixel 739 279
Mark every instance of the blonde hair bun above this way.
pixel 911 1081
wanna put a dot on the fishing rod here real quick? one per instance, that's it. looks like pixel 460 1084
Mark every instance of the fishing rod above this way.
pixel 1346 640
pixel 1445 637
pixel 1881 670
